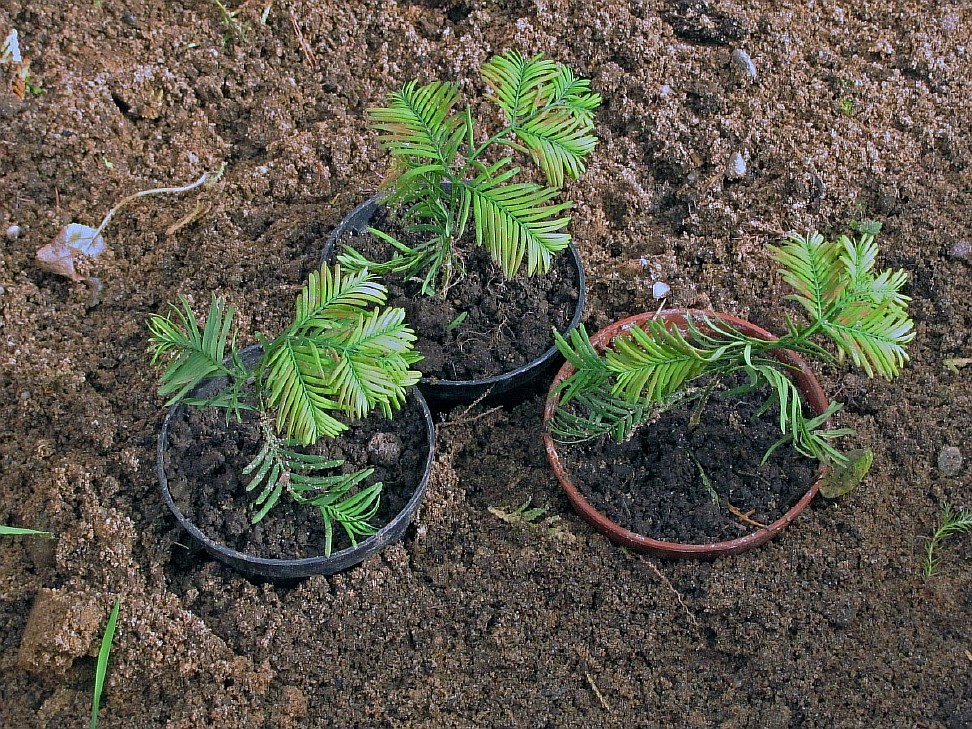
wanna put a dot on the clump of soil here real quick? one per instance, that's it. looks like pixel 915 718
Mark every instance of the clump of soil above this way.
pixel 506 322
pixel 206 457
pixel 678 483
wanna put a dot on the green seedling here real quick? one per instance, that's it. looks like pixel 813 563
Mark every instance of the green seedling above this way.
pixel 533 516
pixel 952 521
pixel 866 227
pixel 9 531
pixel 102 667
pixel 707 484
pixel 847 106
pixel 457 322
pixel 343 353
pixel 862 313
pixel 523 514
pixel 445 174
pixel 236 29
pixel 954 364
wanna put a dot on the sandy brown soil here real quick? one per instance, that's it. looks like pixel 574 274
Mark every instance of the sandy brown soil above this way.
pixel 854 113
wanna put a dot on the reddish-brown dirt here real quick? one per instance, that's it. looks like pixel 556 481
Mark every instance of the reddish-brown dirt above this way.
pixel 857 111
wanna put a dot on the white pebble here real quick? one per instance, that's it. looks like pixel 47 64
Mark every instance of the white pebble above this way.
pixel 741 61
pixel 737 166
pixel 660 289
pixel 13 232
pixel 950 461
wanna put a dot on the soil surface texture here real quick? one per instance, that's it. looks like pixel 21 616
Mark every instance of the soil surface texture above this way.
pixel 693 483
pixel 725 124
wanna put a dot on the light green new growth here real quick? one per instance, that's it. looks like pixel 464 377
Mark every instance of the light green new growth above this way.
pixel 441 177
pixel 9 531
pixel 952 521
pixel 863 314
pixel 102 668
pixel 342 353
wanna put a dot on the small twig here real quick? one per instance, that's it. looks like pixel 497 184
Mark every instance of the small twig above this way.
pixel 308 53
pixel 678 596
pixel 195 214
pixel 597 692
pixel 744 516
pixel 461 420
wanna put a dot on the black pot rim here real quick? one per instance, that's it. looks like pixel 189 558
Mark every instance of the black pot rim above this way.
pixel 357 220
pixel 272 568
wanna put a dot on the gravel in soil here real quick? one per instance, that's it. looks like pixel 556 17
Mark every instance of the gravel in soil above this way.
pixel 857 111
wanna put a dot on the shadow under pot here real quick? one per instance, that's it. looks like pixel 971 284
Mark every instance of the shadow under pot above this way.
pixel 696 485
pixel 200 462
pixel 488 336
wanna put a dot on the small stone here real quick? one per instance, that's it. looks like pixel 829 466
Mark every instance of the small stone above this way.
pixel 741 61
pixel 13 232
pixel 660 289
pixel 961 249
pixel 665 91
pixel 384 449
pixel 950 461
pixel 737 166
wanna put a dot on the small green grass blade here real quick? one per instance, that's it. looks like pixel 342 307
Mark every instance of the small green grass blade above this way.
pixel 9 531
pixel 102 667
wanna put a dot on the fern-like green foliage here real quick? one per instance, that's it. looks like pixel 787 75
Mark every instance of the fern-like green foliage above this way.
pixel 343 353
pixel 646 369
pixel 442 178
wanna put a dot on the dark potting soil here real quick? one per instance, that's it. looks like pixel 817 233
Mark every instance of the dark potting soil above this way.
pixel 206 457
pixel 652 483
pixel 507 322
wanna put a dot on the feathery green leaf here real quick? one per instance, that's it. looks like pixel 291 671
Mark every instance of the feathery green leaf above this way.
pixel 416 124
pixel 197 355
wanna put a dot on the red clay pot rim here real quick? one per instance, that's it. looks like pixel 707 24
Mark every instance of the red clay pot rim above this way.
pixel 802 376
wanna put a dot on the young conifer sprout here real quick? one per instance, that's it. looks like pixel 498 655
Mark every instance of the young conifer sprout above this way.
pixel 648 369
pixel 952 521
pixel 444 173
pixel 343 354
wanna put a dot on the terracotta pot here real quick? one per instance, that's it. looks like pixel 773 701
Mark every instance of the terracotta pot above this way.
pixel 802 376
pixel 288 569
pixel 449 392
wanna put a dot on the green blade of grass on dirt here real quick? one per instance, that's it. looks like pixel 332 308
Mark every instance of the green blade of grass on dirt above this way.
pixel 102 667
pixel 9 531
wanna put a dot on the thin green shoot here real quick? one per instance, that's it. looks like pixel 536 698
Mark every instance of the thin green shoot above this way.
pixel 707 484
pixel 9 531
pixel 236 29
pixel 523 514
pixel 457 322
pixel 952 521
pixel 102 667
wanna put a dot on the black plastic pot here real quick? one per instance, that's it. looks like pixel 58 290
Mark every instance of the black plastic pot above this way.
pixel 503 385
pixel 287 569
